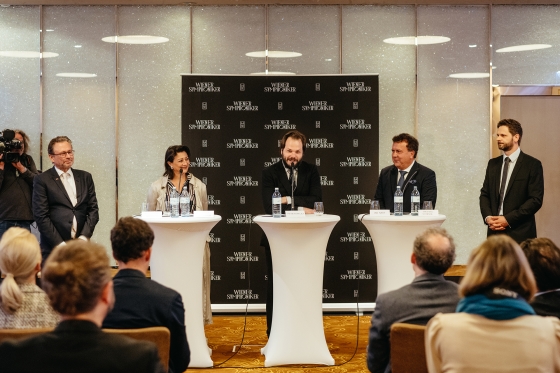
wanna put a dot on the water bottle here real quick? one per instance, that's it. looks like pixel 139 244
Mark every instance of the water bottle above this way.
pixel 185 202
pixel 174 202
pixel 398 202
pixel 414 201
pixel 276 204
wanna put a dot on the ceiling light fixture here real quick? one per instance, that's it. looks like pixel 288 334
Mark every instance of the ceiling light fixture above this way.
pixel 470 75
pixel 135 39
pixel 417 40
pixel 76 75
pixel 522 48
pixel 273 54
pixel 28 54
pixel 274 73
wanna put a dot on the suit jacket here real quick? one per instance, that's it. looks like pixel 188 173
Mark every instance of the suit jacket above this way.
pixel 420 176
pixel 307 192
pixel 53 210
pixel 141 303
pixel 522 198
pixel 415 303
pixel 79 346
pixel 547 304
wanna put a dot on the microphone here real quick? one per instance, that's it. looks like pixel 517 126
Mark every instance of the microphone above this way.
pixel 293 182
pixel 180 176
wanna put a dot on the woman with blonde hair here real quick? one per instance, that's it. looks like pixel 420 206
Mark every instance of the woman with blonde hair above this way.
pixel 495 329
pixel 22 303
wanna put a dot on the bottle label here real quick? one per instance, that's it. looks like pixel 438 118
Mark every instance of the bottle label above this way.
pixel 399 199
pixel 277 201
pixel 187 200
pixel 173 200
pixel 416 199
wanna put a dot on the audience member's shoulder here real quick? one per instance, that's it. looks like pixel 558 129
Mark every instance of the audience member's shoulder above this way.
pixel 163 290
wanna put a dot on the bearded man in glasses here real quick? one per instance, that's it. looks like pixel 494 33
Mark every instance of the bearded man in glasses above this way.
pixel 64 201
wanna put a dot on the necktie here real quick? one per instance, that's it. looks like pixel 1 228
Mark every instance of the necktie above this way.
pixel 401 180
pixel 503 185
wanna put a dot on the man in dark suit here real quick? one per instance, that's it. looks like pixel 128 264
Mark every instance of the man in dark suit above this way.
pixel 513 187
pixel 64 201
pixel 141 302
pixel 544 258
pixel 307 191
pixel 77 280
pixel 406 173
pixel 428 294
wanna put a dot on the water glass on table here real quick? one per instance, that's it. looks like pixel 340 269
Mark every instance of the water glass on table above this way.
pixel 427 205
pixel 319 208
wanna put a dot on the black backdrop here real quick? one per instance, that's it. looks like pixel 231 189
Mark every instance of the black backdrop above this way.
pixel 233 125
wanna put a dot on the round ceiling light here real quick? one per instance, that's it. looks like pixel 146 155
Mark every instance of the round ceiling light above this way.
pixel 521 48
pixel 28 54
pixel 273 54
pixel 470 75
pixel 274 73
pixel 135 39
pixel 417 40
pixel 76 75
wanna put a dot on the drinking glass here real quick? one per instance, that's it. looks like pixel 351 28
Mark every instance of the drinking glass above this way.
pixel 427 205
pixel 375 205
pixel 319 208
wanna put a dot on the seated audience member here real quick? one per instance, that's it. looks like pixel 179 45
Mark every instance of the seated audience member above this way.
pixel 141 302
pixel 495 329
pixel 77 280
pixel 544 258
pixel 428 294
pixel 23 305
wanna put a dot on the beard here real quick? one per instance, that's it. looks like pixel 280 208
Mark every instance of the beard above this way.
pixel 289 160
pixel 505 146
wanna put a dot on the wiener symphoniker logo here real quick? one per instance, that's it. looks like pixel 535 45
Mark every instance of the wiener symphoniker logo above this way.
pixel 317 106
pixel 355 124
pixel 242 144
pixel 212 201
pixel 326 182
pixel 355 199
pixel 205 162
pixel 355 162
pixel 280 87
pixel 327 295
pixel 207 124
pixel 240 219
pixel 356 274
pixel 242 106
pixel 214 238
pixel 355 237
pixel 242 294
pixel 319 144
pixel 280 124
pixel 204 87
pixel 273 160
pixel 355 87
pixel 215 277
pixel 242 181
pixel 243 256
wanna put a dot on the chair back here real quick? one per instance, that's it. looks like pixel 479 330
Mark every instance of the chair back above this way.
pixel 157 334
pixel 407 348
pixel 6 334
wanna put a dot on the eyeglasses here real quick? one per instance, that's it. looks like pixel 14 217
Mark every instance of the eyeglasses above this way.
pixel 65 154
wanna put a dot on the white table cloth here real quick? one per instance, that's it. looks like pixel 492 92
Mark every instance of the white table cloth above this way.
pixel 298 246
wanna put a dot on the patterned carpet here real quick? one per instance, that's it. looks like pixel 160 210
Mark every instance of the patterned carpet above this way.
pixel 340 332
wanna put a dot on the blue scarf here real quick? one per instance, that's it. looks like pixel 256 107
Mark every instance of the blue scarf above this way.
pixel 495 309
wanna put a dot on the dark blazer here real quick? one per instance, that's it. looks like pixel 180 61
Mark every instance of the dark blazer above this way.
pixel 141 303
pixel 547 304
pixel 420 176
pixel 522 198
pixel 416 303
pixel 307 192
pixel 53 210
pixel 79 346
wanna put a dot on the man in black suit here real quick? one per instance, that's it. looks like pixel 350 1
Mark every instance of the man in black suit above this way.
pixel 307 191
pixel 406 173
pixel 77 280
pixel 64 201
pixel 544 258
pixel 141 302
pixel 513 187
pixel 428 294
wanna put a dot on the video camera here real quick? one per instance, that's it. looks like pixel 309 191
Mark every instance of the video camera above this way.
pixel 9 147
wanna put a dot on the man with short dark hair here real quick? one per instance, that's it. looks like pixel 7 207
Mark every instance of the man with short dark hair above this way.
pixel 513 188
pixel 406 173
pixel 416 303
pixel 141 302
pixel 64 200
pixel 289 171
pixel 77 280
pixel 544 258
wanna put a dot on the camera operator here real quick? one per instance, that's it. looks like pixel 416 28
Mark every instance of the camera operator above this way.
pixel 16 181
